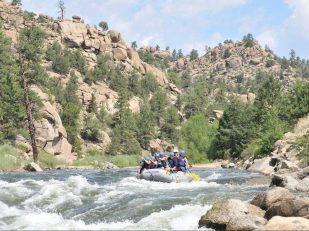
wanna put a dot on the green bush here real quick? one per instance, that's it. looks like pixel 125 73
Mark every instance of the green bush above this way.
pixel 196 137
pixel 61 64
pixel 248 40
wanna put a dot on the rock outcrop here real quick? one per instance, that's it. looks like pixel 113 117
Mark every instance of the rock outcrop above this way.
pixel 51 134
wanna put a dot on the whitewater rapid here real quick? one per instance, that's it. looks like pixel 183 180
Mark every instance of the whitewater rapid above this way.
pixel 94 200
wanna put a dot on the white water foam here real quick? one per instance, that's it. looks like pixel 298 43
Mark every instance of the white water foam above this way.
pixel 42 210
pixel 180 217
pixel 214 176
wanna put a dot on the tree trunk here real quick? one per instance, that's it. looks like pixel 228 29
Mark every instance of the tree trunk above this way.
pixel 31 127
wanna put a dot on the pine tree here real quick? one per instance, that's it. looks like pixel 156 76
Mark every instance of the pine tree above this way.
pixel 12 111
pixel 92 106
pixel 29 54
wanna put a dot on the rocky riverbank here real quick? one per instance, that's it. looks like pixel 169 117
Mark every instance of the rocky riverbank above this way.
pixel 276 209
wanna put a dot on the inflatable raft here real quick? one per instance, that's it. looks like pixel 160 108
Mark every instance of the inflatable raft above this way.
pixel 162 175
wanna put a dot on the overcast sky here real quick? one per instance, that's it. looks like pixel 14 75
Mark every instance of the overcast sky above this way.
pixel 188 24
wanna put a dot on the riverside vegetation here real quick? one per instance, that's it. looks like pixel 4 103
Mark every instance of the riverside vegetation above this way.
pixel 106 102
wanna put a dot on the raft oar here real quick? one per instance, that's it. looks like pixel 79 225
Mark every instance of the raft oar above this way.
pixel 194 176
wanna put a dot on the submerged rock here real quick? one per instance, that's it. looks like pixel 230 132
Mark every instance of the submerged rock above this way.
pixel 233 214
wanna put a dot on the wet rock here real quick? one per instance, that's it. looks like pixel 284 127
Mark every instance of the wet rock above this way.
pixel 289 208
pixel 262 166
pixel 287 223
pixel 33 167
pixel 265 199
pixel 233 214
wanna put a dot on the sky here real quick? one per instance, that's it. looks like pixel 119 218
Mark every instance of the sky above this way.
pixel 193 24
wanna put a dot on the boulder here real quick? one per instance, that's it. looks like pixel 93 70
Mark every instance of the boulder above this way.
pixel 120 54
pixel 33 167
pixel 289 208
pixel 233 62
pixel 303 185
pixel 265 199
pixel 159 75
pixel 233 214
pixel 72 33
pixel 218 114
pixel 286 223
pixel 134 104
pixel 303 173
pixel 262 166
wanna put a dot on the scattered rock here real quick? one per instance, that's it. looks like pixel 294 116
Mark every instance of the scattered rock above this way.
pixel 265 199
pixel 33 167
pixel 233 214
pixel 286 223
pixel 289 165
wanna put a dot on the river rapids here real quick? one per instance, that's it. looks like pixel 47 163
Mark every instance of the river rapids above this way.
pixel 107 200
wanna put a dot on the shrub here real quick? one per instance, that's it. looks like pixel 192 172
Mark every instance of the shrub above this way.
pixel 9 160
pixel 196 137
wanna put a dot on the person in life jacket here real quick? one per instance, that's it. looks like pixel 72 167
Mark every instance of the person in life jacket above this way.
pixel 161 160
pixel 153 162
pixel 176 159
pixel 145 164
pixel 158 160
pixel 171 162
pixel 183 161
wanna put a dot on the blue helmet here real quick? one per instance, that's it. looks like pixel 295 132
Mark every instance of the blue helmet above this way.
pixel 161 154
pixel 172 154
pixel 157 155
pixel 147 158
pixel 182 152
pixel 152 158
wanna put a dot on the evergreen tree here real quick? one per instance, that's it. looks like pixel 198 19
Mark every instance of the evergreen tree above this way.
pixel 29 53
pixel 134 45
pixel 145 125
pixel 158 104
pixel 103 25
pixel 12 111
pixel 70 113
pixel 193 54
pixel 171 120
pixel 92 106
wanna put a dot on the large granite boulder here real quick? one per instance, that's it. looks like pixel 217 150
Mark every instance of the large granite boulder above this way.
pixel 265 199
pixel 233 214
pixel 289 208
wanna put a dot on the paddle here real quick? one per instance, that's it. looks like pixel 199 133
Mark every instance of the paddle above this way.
pixel 194 176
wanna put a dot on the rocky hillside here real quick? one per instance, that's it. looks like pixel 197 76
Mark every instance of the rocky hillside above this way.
pixel 76 35
pixel 236 63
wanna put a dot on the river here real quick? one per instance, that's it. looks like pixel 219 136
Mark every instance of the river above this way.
pixel 98 200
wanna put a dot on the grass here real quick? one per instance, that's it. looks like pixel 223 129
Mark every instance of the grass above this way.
pixel 98 159
pixel 9 158
pixel 49 161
